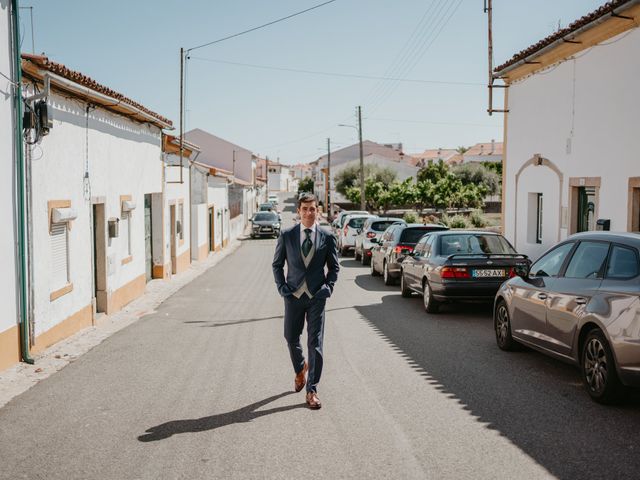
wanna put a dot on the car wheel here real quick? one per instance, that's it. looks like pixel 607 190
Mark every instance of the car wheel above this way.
pixel 430 305
pixel 388 279
pixel 372 269
pixel 344 251
pixel 356 257
pixel 364 259
pixel 599 370
pixel 502 327
pixel 404 290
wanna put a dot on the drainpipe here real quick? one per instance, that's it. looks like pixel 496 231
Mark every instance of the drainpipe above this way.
pixel 17 98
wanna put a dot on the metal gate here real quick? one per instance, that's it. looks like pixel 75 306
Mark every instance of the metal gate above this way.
pixel 148 243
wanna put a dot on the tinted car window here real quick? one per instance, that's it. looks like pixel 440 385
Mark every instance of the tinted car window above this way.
pixel 357 222
pixel 474 243
pixel 549 265
pixel 623 263
pixel 265 217
pixel 412 235
pixel 587 261
pixel 381 226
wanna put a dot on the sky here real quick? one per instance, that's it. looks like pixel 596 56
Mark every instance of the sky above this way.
pixel 418 68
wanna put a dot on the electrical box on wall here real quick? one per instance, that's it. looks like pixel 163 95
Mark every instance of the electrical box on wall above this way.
pixel 44 119
pixel 603 224
pixel 113 224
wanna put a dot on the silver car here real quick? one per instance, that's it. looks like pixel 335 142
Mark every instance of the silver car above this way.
pixel 352 225
pixel 580 302
pixel 372 230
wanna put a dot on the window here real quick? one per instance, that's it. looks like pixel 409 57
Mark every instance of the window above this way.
pixel 549 265
pixel 59 255
pixel 180 228
pixel 588 260
pixel 623 263
pixel 125 235
pixel 534 218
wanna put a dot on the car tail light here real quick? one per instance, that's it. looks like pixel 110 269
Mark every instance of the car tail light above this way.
pixel 371 234
pixel 400 248
pixel 369 253
pixel 455 272
pixel 346 230
pixel 512 272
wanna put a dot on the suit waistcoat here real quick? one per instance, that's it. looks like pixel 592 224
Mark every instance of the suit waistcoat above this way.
pixel 307 260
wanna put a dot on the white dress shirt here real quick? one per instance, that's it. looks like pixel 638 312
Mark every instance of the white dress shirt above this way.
pixel 312 236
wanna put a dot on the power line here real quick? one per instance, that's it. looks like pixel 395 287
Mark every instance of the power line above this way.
pixel 336 74
pixel 433 123
pixel 260 26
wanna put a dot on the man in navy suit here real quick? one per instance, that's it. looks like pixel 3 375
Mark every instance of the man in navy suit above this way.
pixel 306 249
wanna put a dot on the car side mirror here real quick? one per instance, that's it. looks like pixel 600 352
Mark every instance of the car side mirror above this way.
pixel 359 231
pixel 522 271
pixel 374 240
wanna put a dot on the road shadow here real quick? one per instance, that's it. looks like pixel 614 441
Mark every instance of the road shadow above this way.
pixel 212 422
pixel 349 262
pixel 536 402
pixel 374 284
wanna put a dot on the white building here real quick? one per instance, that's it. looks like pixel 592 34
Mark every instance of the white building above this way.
pixel 279 177
pixel 9 280
pixel 572 129
pixel 96 178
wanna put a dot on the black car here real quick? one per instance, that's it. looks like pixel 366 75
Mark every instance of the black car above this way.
pixel 397 241
pixel 265 224
pixel 459 265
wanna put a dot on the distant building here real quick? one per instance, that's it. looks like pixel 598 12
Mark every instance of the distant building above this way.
pixel 483 152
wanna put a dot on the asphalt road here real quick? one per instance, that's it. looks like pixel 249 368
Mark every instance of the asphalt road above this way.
pixel 202 388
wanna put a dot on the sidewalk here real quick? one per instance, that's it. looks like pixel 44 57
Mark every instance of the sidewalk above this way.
pixel 21 377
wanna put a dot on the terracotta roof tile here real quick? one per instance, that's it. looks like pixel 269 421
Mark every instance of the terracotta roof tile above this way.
pixel 44 63
pixel 605 9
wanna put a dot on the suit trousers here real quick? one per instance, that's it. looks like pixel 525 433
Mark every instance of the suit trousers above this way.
pixel 295 312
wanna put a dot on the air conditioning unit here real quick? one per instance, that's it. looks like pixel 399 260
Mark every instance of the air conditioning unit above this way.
pixel 63 215
pixel 128 205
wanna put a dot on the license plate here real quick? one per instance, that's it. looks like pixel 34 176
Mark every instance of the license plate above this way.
pixel 489 272
pixel 266 229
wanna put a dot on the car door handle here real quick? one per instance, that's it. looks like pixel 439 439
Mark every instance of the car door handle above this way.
pixel 542 296
pixel 581 300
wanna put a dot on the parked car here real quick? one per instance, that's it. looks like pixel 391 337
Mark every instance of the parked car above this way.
pixel 273 198
pixel 459 265
pixel 352 225
pixel 266 207
pixel 580 303
pixel 396 242
pixel 374 227
pixel 265 224
pixel 339 220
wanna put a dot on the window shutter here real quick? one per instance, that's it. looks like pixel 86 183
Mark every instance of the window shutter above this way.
pixel 124 235
pixel 59 255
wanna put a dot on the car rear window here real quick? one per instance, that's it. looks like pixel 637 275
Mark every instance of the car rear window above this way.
pixel 474 243
pixel 357 222
pixel 381 226
pixel 265 217
pixel 413 234
pixel 623 263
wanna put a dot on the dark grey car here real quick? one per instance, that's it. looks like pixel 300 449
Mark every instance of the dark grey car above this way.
pixel 265 224
pixel 580 302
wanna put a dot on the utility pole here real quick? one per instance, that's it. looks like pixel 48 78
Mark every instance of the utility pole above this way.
pixel 329 214
pixel 234 167
pixel 181 110
pixel 362 199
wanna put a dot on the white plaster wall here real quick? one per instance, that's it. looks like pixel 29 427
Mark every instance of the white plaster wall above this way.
pixel 236 227
pixel 589 102
pixel 173 193
pixel 123 158
pixel 218 196
pixel 8 280
pixel 199 228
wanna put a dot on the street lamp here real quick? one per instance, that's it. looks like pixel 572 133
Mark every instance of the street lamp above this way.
pixel 359 128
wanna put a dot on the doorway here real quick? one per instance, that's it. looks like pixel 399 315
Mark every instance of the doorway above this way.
pixel 212 226
pixel 172 220
pixel 148 237
pixel 100 258
pixel 586 209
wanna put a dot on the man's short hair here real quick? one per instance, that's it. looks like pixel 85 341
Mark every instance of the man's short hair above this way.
pixel 306 197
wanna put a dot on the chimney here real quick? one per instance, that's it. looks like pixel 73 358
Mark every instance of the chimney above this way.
pixel 481 148
pixel 493 146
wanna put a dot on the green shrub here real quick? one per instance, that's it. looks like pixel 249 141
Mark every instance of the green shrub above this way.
pixel 458 221
pixel 445 220
pixel 477 219
pixel 410 217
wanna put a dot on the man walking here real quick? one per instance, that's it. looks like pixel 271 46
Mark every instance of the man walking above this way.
pixel 306 249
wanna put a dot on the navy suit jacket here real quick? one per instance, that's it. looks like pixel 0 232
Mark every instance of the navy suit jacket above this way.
pixel 289 250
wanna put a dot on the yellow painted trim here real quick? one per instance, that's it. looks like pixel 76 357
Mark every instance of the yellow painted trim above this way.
pixel 76 322
pixel 218 248
pixel 203 251
pixel 225 242
pixel 61 291
pixel 183 262
pixel 51 204
pixel 162 271
pixel 9 347
pixel 633 205
pixel 595 35
pixel 126 294
pixel 126 260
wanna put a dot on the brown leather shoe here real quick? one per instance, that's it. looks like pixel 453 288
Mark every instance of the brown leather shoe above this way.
pixel 300 380
pixel 313 401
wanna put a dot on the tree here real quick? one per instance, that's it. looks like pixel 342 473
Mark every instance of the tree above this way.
pixel 350 177
pixel 306 185
pixel 462 149
pixel 433 171
pixel 478 174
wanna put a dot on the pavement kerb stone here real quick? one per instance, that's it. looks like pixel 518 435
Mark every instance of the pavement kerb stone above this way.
pixel 19 378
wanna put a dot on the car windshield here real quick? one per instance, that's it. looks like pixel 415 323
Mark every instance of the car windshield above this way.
pixel 265 217
pixel 413 234
pixel 357 222
pixel 474 244
pixel 381 226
